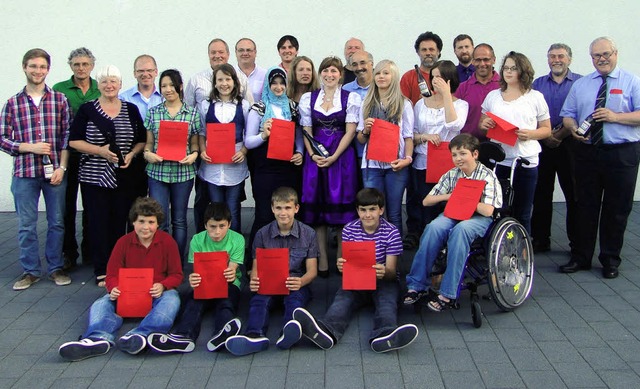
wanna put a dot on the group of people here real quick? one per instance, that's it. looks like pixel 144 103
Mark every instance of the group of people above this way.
pixel 87 132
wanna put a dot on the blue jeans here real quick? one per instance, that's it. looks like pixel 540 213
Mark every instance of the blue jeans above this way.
pixel 524 190
pixel 457 235
pixel 392 185
pixel 346 302
pixel 231 195
pixel 176 194
pixel 104 323
pixel 260 305
pixel 189 323
pixel 26 193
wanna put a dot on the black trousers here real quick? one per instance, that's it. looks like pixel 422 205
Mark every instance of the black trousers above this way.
pixel 605 184
pixel 554 161
pixel 70 245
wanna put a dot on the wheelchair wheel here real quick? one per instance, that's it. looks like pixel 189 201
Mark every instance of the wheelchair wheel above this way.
pixel 510 260
pixel 476 314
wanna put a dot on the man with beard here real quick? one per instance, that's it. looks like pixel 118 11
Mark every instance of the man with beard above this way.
pixel 476 88
pixel 428 46
pixel 353 45
pixel 606 159
pixel 463 48
pixel 556 150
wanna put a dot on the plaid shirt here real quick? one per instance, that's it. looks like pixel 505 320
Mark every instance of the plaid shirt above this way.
pixel 492 193
pixel 172 171
pixel 24 122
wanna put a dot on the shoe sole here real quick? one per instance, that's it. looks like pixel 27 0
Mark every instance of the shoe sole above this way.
pixel 77 352
pixel 399 338
pixel 157 338
pixel 124 346
pixel 311 330
pixel 223 335
pixel 241 345
pixel 291 334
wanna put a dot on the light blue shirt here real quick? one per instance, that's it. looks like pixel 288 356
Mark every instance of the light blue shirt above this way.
pixel 255 80
pixel 134 96
pixel 623 95
pixel 362 92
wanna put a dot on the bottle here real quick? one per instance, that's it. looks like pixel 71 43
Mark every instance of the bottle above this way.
pixel 422 83
pixel 48 167
pixel 585 126
pixel 317 147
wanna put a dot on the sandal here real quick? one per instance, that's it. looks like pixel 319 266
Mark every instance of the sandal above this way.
pixel 412 296
pixel 410 242
pixel 438 304
pixel 101 281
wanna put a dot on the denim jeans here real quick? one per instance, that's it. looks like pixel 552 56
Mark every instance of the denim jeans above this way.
pixel 260 305
pixel 392 184
pixel 524 189
pixel 346 302
pixel 104 323
pixel 231 195
pixel 176 194
pixel 190 318
pixel 26 193
pixel 457 235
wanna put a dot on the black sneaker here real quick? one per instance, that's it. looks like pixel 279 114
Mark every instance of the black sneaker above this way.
pixel 232 328
pixel 240 345
pixel 169 343
pixel 291 334
pixel 83 349
pixel 399 338
pixel 311 330
pixel 132 343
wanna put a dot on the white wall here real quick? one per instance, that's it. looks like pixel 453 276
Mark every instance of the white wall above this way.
pixel 176 33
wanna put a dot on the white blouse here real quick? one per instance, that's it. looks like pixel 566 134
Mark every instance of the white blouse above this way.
pixel 354 103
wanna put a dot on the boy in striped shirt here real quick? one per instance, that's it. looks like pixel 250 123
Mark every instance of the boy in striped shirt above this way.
pixel 386 335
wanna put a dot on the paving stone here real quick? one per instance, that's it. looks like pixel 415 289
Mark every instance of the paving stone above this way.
pixel 583 337
pixel 307 381
pixel 499 375
pixel 602 358
pixel 114 378
pixel 454 360
pixel 227 381
pixel 528 358
pixel 151 382
pixel 541 332
pixel 344 377
pixel 425 376
pixel 462 379
pixel 487 352
pixel 560 352
pixel 578 374
pixel 542 379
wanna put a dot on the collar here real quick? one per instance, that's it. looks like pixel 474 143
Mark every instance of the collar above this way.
pixel 47 91
pixel 133 239
pixel 494 78
pixel 571 76
pixel 615 73
pixel 274 231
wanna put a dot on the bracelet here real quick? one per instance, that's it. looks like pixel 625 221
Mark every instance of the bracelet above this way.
pixel 366 135
pixel 64 168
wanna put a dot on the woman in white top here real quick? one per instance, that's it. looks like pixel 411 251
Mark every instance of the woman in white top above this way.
pixel 225 105
pixel 438 118
pixel 525 108
pixel 385 101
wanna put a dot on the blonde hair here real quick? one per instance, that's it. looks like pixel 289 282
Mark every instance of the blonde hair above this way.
pixel 395 99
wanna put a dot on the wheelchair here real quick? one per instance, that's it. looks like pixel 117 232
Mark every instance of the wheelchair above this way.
pixel 502 258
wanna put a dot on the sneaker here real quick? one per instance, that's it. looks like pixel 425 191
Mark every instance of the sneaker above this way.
pixel 291 334
pixel 243 345
pixel 60 278
pixel 311 330
pixel 25 281
pixel 132 343
pixel 399 338
pixel 170 343
pixel 232 328
pixel 83 349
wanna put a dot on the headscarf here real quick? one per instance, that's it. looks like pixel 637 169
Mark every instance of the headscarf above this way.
pixel 269 98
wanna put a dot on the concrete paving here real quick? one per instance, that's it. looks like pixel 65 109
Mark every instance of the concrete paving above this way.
pixel 575 331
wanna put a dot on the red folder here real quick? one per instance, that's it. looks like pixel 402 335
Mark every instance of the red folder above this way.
pixel 384 141
pixel 172 140
pixel 281 140
pixel 504 131
pixel 221 142
pixel 273 270
pixel 211 266
pixel 135 297
pixel 358 272
pixel 464 199
pixel 439 161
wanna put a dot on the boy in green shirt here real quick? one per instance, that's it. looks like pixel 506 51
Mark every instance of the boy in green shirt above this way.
pixel 216 237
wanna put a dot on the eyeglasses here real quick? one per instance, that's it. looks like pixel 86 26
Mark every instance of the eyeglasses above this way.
pixel 242 51
pixel 478 60
pixel 142 71
pixel 604 55
pixel 509 68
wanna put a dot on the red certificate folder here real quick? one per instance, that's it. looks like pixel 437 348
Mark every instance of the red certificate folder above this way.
pixel 464 199
pixel 358 272
pixel 439 161
pixel 384 141
pixel 135 298
pixel 273 270
pixel 211 267
pixel 221 142
pixel 504 131
pixel 281 140
pixel 172 140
